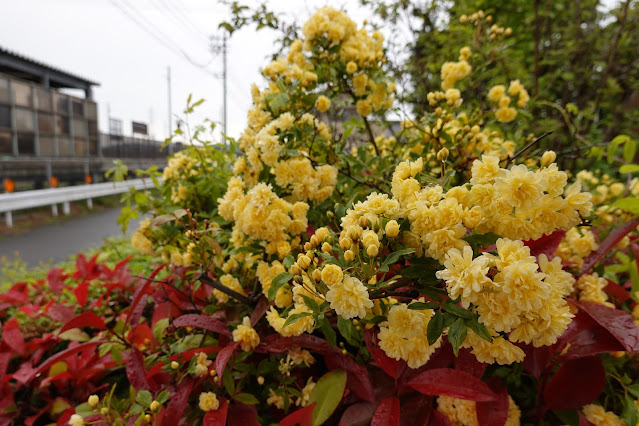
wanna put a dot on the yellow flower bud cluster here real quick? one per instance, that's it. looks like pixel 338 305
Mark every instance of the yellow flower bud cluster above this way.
pixel 576 245
pixel 605 191
pixel 230 282
pixel 591 289
pixel 452 72
pixel 505 113
pixel 405 335
pixel 473 18
pixel 305 181
pixel 140 238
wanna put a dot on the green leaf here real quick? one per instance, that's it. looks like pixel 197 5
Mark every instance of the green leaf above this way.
pixel 163 396
pixel 346 329
pixel 328 331
pixel 435 327
pixel 458 311
pixel 228 382
pixel 457 334
pixel 629 168
pixel 630 413
pixel 311 303
pixel 295 317
pixel 394 257
pixel 288 261
pixel 278 282
pixel 158 329
pixel 628 204
pixel 634 390
pixel 487 239
pixel 629 151
pixel 479 329
pixel 418 306
pixel 144 398
pixel 246 398
pixel 327 393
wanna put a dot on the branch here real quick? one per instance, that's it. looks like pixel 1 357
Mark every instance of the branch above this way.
pixel 224 289
pixel 510 159
pixel 361 182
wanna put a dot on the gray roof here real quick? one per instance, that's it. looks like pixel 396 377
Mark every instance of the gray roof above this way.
pixel 26 68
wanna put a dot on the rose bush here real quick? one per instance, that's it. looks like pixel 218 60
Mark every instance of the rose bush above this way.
pixel 346 271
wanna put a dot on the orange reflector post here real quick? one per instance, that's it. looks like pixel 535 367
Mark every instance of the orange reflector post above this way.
pixel 9 185
pixel 88 179
pixel 53 182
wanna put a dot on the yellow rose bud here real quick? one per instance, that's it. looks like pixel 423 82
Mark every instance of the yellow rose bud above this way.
pixel 345 243
pixel 392 229
pixel 147 418
pixel 351 67
pixel 442 155
pixel 93 401
pixel 317 275
pixel 294 270
pixel 213 372
pixel 175 365
pixel 260 380
pixel 303 262
pixel 372 250
pixel 327 248
pixel 104 411
pixel 154 406
pixel 332 274
pixel 323 103
pixel 349 256
pixel 508 32
pixel 314 241
pixel 548 158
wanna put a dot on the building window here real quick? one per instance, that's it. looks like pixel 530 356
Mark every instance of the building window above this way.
pixel 4 91
pixel 45 123
pixel 45 103
pixel 79 147
pixel 77 107
pixel 5 116
pixel 92 110
pixel 26 144
pixel 62 125
pixel 24 120
pixel 6 147
pixel 93 148
pixel 79 127
pixel 46 146
pixel 22 94
pixel 64 146
pixel 61 104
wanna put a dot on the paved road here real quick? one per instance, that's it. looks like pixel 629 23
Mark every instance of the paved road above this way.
pixel 57 241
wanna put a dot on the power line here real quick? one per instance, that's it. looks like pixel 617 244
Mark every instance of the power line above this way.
pixel 163 7
pixel 158 35
pixel 180 11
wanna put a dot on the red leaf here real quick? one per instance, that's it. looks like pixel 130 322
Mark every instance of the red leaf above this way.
pixel 87 319
pixel 357 378
pixel 217 417
pixel 240 414
pixel 438 419
pixel 276 344
pixel 60 313
pixel 586 337
pixel 536 359
pixel 136 308
pixel 223 358
pixel 494 412
pixel 417 410
pixel 72 350
pixel 466 361
pixel 359 414
pixel 82 293
pixel 606 245
pixel 616 291
pixel 4 364
pixel 577 382
pixel 87 270
pixel 301 417
pixel 55 278
pixel 547 244
pixel 455 383
pixel 178 402
pixel 260 309
pixel 392 367
pixel 583 421
pixel 12 336
pixel 201 321
pixel 618 323
pixel 387 413
pixel 135 371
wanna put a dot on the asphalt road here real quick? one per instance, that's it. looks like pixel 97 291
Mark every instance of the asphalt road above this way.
pixel 57 241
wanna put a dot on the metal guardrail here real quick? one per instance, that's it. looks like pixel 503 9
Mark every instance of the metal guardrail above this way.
pixel 54 196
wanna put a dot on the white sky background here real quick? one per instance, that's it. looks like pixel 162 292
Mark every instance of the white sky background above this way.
pixel 96 40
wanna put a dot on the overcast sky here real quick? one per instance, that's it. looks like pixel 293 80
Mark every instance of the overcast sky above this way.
pixel 99 40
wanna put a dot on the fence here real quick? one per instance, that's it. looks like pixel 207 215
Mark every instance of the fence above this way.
pixel 54 196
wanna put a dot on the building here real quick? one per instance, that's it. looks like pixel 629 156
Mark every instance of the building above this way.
pixel 45 133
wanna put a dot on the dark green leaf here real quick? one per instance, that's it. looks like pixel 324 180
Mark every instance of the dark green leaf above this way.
pixel 311 303
pixel 328 331
pixel 394 257
pixel 435 327
pixel 346 329
pixel 278 282
pixel 457 334
pixel 228 382
pixel 630 413
pixel 487 239
pixel 479 329
pixel 295 317
pixel 144 398
pixel 458 311
pixel 420 306
pixel 246 398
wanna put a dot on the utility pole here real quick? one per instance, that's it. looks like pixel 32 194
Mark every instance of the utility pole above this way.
pixel 218 47
pixel 168 81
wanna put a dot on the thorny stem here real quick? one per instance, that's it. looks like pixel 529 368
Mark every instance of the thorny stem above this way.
pixel 510 159
pixel 224 289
